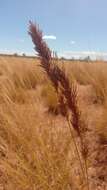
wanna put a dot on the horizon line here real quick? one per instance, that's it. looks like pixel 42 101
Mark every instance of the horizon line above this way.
pixel 64 54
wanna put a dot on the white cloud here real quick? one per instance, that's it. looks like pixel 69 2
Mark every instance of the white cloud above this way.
pixel 83 54
pixel 6 51
pixel 50 37
pixel 13 51
pixel 21 40
pixel 72 42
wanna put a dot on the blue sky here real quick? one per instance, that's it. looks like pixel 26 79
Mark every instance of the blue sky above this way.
pixel 71 26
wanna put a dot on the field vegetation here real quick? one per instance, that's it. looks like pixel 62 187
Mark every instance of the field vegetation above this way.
pixel 53 122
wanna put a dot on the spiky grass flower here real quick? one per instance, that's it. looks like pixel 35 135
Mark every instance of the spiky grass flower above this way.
pixel 67 92
pixel 56 75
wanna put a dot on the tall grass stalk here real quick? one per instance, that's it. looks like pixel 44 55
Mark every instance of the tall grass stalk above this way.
pixel 76 148
pixel 67 93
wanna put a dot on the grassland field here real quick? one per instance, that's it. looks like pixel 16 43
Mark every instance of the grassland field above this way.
pixel 36 149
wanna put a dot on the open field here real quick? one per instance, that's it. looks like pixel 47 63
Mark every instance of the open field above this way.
pixel 36 148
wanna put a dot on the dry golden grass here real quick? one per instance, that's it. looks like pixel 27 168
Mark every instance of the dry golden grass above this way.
pixel 31 151
pixel 36 149
pixel 50 97
pixel 94 74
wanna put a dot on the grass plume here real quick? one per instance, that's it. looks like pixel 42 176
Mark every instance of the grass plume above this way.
pixel 67 92
pixel 56 75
